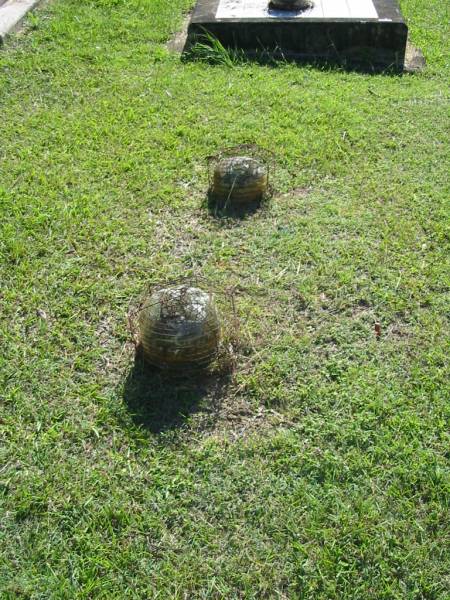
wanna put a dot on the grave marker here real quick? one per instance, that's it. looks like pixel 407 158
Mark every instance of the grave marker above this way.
pixel 369 32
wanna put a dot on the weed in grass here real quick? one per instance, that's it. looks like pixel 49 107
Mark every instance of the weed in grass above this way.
pixel 207 48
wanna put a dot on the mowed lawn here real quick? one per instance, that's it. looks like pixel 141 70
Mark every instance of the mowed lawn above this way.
pixel 319 470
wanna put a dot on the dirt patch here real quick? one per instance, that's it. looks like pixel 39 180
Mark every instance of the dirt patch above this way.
pixel 192 405
pixel 299 192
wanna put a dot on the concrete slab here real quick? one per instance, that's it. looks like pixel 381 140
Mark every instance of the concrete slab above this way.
pixel 415 61
pixel 12 13
pixel 177 42
pixel 367 32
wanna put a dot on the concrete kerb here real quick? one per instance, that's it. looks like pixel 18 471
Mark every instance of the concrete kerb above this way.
pixel 12 13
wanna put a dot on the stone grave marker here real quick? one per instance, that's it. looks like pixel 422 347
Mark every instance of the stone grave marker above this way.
pixel 366 32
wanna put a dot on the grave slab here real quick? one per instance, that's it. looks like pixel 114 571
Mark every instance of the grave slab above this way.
pixel 367 32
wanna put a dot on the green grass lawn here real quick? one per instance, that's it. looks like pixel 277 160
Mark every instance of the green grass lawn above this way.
pixel 320 469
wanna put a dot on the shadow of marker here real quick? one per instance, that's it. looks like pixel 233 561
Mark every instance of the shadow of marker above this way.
pixel 161 401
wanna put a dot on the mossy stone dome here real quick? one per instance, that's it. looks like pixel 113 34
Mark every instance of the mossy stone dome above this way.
pixel 179 327
pixel 239 180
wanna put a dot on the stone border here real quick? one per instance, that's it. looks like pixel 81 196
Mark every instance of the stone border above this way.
pixel 12 13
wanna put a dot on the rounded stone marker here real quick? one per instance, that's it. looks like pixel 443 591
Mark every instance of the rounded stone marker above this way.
pixel 240 180
pixel 179 328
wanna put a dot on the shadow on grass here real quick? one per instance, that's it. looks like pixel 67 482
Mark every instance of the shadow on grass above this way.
pixel 222 210
pixel 161 401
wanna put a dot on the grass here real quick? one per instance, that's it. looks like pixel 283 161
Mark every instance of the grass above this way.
pixel 210 50
pixel 320 470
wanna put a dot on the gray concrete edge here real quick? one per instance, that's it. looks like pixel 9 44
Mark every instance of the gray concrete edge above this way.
pixel 12 13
